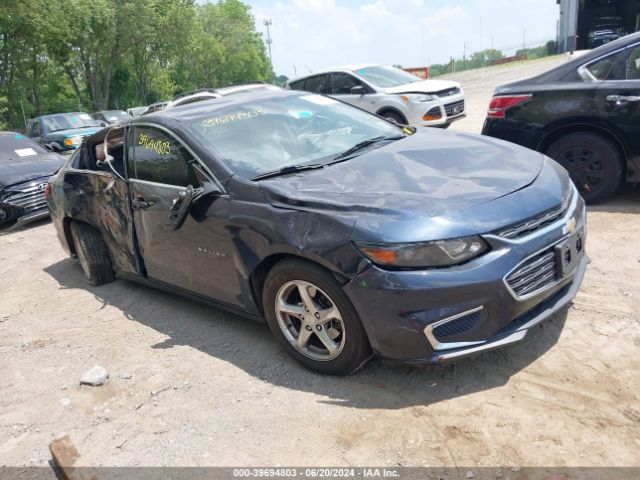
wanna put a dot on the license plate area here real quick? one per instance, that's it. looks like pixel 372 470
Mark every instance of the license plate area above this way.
pixel 568 254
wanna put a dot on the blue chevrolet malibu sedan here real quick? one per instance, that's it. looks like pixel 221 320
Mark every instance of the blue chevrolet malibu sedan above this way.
pixel 349 235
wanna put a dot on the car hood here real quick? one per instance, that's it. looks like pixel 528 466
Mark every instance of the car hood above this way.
pixel 73 132
pixel 429 174
pixel 21 170
pixel 424 86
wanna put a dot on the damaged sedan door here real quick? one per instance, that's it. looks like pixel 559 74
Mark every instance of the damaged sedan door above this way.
pixel 165 181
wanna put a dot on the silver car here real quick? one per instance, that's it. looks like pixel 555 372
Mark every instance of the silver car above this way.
pixel 389 92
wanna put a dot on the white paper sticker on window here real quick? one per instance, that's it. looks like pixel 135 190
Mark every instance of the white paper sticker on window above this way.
pixel 85 116
pixel 319 99
pixel 25 152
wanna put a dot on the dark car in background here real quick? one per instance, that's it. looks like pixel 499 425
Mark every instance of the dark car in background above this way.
pixel 111 117
pixel 63 131
pixel 25 168
pixel 604 30
pixel 348 233
pixel 585 114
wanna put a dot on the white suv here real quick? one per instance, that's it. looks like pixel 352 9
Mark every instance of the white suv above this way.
pixel 389 92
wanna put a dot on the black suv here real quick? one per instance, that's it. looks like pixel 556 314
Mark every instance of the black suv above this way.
pixel 585 114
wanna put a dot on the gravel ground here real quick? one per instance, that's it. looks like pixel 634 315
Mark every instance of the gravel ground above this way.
pixel 193 385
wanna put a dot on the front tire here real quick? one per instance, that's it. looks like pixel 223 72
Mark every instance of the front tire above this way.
pixel 394 117
pixel 593 162
pixel 313 319
pixel 92 253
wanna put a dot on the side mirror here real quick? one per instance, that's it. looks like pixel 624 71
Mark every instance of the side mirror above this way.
pixel 358 90
pixel 48 147
pixel 207 186
pixel 54 147
pixel 103 123
pixel 180 208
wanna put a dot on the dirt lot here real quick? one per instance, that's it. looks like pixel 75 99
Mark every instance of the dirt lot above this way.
pixel 210 388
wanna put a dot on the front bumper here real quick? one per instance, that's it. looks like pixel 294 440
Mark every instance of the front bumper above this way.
pixel 399 308
pixel 23 203
pixel 442 112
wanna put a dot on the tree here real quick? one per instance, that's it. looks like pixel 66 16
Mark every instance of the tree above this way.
pixel 62 55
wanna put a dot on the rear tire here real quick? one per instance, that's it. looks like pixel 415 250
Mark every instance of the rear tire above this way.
pixel 327 337
pixel 593 162
pixel 92 253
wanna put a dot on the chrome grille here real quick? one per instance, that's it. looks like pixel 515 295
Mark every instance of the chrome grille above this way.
pixel 451 106
pixel 26 200
pixel 532 224
pixel 534 274
pixel 448 92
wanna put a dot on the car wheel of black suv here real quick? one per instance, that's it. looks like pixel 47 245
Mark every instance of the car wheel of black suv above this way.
pixel 593 161
pixel 92 253
pixel 313 319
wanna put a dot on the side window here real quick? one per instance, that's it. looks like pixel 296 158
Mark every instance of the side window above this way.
pixel 600 69
pixel 319 84
pixel 633 64
pixel 36 130
pixel 160 158
pixel 299 85
pixel 343 83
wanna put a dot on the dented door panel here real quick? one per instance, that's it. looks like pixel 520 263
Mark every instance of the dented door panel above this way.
pixel 102 200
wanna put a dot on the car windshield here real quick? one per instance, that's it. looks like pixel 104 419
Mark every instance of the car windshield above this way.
pixel 116 115
pixel 266 135
pixel 64 121
pixel 386 77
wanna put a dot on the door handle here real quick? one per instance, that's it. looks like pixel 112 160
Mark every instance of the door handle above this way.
pixel 623 98
pixel 139 204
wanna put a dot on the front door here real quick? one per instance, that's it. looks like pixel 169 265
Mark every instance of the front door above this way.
pixel 341 85
pixel 618 99
pixel 184 257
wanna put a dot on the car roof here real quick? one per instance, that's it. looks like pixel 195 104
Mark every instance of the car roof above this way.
pixel 203 107
pixel 203 95
pixel 566 70
pixel 341 68
pixel 234 89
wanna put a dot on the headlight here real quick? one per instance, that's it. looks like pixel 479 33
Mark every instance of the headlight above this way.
pixel 417 98
pixel 77 140
pixel 441 253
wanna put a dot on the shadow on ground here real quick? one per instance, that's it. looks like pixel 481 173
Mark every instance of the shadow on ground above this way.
pixel 249 346
pixel 26 227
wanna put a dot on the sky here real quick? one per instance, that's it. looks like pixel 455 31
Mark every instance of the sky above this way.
pixel 312 34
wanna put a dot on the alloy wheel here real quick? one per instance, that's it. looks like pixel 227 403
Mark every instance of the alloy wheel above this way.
pixel 310 320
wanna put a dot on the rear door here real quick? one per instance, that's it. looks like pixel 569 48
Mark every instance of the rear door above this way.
pixel 319 84
pixel 618 98
pixel 195 256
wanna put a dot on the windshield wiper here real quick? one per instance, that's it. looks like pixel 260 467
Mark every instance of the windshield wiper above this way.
pixel 289 169
pixel 362 145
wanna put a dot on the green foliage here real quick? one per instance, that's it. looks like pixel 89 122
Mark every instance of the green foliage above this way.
pixel 62 55
pixel 485 58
